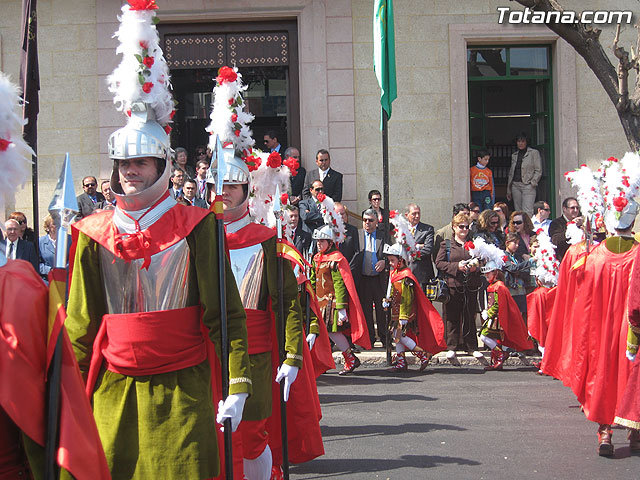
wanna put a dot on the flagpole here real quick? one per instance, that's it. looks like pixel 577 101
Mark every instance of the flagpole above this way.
pixel 385 196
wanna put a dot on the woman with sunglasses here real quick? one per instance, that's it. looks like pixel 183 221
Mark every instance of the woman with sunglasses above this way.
pixel 520 223
pixel 375 202
pixel 463 280
pixel 489 228
pixel 502 210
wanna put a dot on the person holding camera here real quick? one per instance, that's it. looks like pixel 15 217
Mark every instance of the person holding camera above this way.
pixel 463 279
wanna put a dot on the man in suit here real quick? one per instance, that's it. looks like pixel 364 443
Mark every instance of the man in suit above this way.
pixel 109 202
pixel 272 143
pixel 177 181
pixel 88 201
pixel 351 243
pixel 301 238
pixel 558 227
pixel 297 181
pixel 189 194
pixel 310 209
pixel 367 267
pixel 15 248
pixel 331 179
pixel 201 179
pixel 423 235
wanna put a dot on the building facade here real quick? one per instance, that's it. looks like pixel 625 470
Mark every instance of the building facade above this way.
pixel 464 82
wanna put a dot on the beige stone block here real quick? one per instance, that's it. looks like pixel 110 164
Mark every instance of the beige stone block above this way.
pixel 342 134
pixel 363 56
pixel 313 33
pixel 368 134
pixel 45 64
pixel 339 55
pixel 108 61
pixel 341 108
pixel 452 8
pixel 73 64
pixel 107 10
pixel 338 8
pixel 104 35
pixel 104 95
pixel 91 141
pixel 361 8
pixel 89 89
pixel 418 54
pixel 367 108
pixel 313 139
pixel 340 82
pixel 362 29
pixel 349 187
pixel 11 14
pixel 313 89
pixel 366 82
pixel 75 114
pixel 103 137
pixel 73 12
pixel 423 80
pixel 426 28
pixel 56 38
pixel 343 160
pixel 109 116
pixel 58 141
pixel 415 107
pixel 339 30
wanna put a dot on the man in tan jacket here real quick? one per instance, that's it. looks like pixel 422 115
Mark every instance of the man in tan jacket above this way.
pixel 524 175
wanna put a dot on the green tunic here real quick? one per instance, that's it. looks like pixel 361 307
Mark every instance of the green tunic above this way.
pixel 163 425
pixel 258 406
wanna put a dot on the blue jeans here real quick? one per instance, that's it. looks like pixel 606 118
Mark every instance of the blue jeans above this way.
pixel 483 199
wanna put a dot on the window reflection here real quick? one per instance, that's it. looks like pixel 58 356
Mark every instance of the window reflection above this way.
pixel 486 62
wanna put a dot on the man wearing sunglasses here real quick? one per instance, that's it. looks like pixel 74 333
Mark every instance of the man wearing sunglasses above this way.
pixel 88 201
pixel 540 219
pixel 310 208
pixel 558 227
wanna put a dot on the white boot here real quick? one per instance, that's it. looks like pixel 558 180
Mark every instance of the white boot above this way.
pixel 259 468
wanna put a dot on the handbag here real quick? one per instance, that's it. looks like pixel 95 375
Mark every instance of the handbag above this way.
pixel 436 289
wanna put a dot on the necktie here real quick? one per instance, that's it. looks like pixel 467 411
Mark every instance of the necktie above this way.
pixel 202 188
pixel 11 250
pixel 374 258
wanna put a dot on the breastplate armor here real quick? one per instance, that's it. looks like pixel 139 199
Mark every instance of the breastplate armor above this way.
pixel 247 265
pixel 132 289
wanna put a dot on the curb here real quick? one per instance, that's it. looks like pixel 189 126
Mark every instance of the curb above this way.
pixel 378 358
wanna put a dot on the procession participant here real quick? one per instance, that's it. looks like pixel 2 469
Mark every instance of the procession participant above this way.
pixel 248 183
pixel 144 301
pixel 27 341
pixel 598 369
pixel 540 301
pixel 416 326
pixel 337 296
pixel 503 326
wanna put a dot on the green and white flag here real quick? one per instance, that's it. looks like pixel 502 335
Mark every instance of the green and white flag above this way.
pixel 384 56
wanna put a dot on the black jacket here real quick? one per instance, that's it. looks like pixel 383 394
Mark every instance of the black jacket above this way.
pixel 86 205
pixel 351 243
pixel 24 251
pixel 423 268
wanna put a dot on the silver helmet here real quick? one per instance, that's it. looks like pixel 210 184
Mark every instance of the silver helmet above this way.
pixel 141 137
pixel 325 232
pixel 490 266
pixel 395 249
pixel 236 172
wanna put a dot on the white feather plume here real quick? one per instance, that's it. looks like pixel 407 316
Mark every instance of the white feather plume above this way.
pixel 574 234
pixel 589 196
pixel 263 189
pixel 332 218
pixel 15 154
pixel 130 79
pixel 547 265
pixel 486 251
pixel 404 237
pixel 229 120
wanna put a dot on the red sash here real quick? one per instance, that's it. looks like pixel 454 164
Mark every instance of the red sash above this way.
pixel 148 343
pixel 259 331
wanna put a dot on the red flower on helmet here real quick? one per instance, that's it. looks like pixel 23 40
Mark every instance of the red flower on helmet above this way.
pixel 148 61
pixel 4 144
pixel 625 182
pixel 284 198
pixel 619 203
pixel 612 159
pixel 252 162
pixel 147 86
pixel 226 74
pixel 321 197
pixel 144 44
pixel 469 245
pixel 292 164
pixel 143 4
pixel 393 213
pixel 274 160
pixel 237 133
pixel 234 117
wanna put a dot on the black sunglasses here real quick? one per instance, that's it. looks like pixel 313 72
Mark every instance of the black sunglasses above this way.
pixel 89 184
pixel 319 189
pixel 463 227
pixel 518 222
pixel 368 220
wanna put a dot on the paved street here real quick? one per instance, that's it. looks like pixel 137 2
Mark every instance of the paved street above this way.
pixel 458 423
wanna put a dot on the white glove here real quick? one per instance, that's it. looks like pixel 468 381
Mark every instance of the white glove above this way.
pixel 403 322
pixel 385 303
pixel 311 339
pixel 342 316
pixel 484 315
pixel 289 374
pixel 631 356
pixel 231 408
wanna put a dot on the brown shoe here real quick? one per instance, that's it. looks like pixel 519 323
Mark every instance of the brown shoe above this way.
pixel 634 440
pixel 605 447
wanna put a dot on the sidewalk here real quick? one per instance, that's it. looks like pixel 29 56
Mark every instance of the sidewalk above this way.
pixel 378 357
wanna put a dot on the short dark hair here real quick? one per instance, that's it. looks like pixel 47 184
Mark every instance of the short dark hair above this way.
pixel 203 162
pixel 511 237
pixel 271 134
pixel 322 151
pixel 287 152
pixel 177 169
pixel 89 176
pixel 374 192
pixel 370 212
pixel 458 207
pixel 473 205
pixel 482 153
pixel 190 180
pixel 293 207
pixel 181 150
pixel 565 202
pixel 522 136
pixel 539 205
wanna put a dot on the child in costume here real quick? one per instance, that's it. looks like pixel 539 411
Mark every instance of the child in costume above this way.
pixel 482 187
pixel 336 292
pixel 415 324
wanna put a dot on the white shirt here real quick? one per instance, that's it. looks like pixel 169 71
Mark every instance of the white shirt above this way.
pixel 323 174
pixel 544 225
pixel 8 248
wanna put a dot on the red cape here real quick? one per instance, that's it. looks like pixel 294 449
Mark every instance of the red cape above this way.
pixel 539 306
pixel 23 362
pixel 510 318
pixel 559 342
pixel 599 369
pixel 359 331
pixel 430 324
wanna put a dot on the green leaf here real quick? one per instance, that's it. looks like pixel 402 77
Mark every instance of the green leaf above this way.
pixel 138 57
pixel 155 20
pixel 141 79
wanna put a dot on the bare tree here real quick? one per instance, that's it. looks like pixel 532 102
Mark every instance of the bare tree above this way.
pixel 585 39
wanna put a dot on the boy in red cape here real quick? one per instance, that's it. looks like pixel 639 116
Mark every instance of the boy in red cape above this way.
pixel 503 325
pixel 415 324
pixel 337 297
